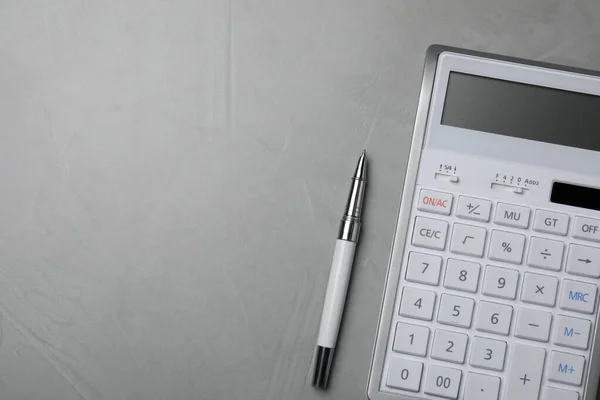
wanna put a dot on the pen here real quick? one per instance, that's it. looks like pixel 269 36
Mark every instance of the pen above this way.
pixel 339 276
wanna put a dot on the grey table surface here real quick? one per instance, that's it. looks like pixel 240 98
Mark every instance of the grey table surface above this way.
pixel 172 175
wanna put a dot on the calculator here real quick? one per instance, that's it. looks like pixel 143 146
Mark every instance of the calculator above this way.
pixel 492 285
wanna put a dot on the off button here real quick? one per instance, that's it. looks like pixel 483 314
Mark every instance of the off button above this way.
pixel 586 229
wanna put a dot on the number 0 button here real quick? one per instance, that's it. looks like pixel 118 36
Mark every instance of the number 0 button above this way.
pixel 404 374
pixel 443 382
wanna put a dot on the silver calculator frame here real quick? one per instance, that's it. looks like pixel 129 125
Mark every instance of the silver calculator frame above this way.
pixel 398 247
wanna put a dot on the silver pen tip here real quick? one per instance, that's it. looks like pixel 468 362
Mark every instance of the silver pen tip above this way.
pixel 361 167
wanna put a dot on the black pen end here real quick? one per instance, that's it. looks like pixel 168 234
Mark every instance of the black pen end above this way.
pixel 323 360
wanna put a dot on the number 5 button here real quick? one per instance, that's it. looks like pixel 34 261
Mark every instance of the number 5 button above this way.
pixel 488 353
pixel 455 310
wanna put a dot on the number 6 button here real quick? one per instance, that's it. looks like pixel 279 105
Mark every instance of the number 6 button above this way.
pixel 494 318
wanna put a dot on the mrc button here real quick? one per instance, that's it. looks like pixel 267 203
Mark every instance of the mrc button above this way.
pixel 578 296
pixel 435 202
pixel 586 229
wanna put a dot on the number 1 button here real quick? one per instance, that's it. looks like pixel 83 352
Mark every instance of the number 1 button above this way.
pixel 443 382
pixel 411 339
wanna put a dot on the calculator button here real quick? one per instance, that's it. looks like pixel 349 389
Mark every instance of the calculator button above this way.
pixel 584 261
pixel 443 382
pixel 417 303
pixel 525 372
pixel 533 324
pixel 586 229
pixel 566 368
pixel 430 233
pixel 435 202
pixel 488 353
pixel 494 318
pixel 539 289
pixel 572 332
pixel 506 246
pixel 468 240
pixel 404 374
pixel 553 393
pixel 500 282
pixel 449 346
pixel 551 222
pixel 545 253
pixel 455 310
pixel 423 268
pixel 462 275
pixel 411 339
pixel 481 386
pixel 472 208
pixel 578 296
pixel 512 215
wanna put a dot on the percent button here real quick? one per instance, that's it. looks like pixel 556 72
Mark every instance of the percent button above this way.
pixel 507 247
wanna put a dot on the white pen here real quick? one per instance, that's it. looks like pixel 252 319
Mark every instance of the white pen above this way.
pixel 339 276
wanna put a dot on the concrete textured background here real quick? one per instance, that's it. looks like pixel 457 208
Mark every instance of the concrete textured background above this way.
pixel 173 172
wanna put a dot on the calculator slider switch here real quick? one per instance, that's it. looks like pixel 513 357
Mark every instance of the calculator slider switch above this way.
pixel 445 177
pixel 508 188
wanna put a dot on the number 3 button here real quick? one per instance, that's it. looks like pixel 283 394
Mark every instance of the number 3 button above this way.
pixel 488 353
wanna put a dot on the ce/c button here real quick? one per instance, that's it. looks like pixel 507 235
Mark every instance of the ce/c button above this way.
pixel 430 233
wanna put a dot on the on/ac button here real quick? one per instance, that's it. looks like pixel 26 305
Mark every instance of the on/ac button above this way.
pixel 435 202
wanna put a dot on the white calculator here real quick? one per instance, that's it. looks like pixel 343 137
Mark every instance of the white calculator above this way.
pixel 492 286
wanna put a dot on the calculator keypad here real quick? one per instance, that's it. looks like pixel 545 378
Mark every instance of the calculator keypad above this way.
pixel 488 308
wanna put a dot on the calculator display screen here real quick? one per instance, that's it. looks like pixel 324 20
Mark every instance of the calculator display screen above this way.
pixel 522 110
pixel 575 195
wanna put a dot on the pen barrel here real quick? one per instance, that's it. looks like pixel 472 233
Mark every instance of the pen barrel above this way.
pixel 335 296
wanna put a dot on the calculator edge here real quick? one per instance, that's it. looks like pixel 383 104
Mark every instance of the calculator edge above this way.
pixel 403 219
